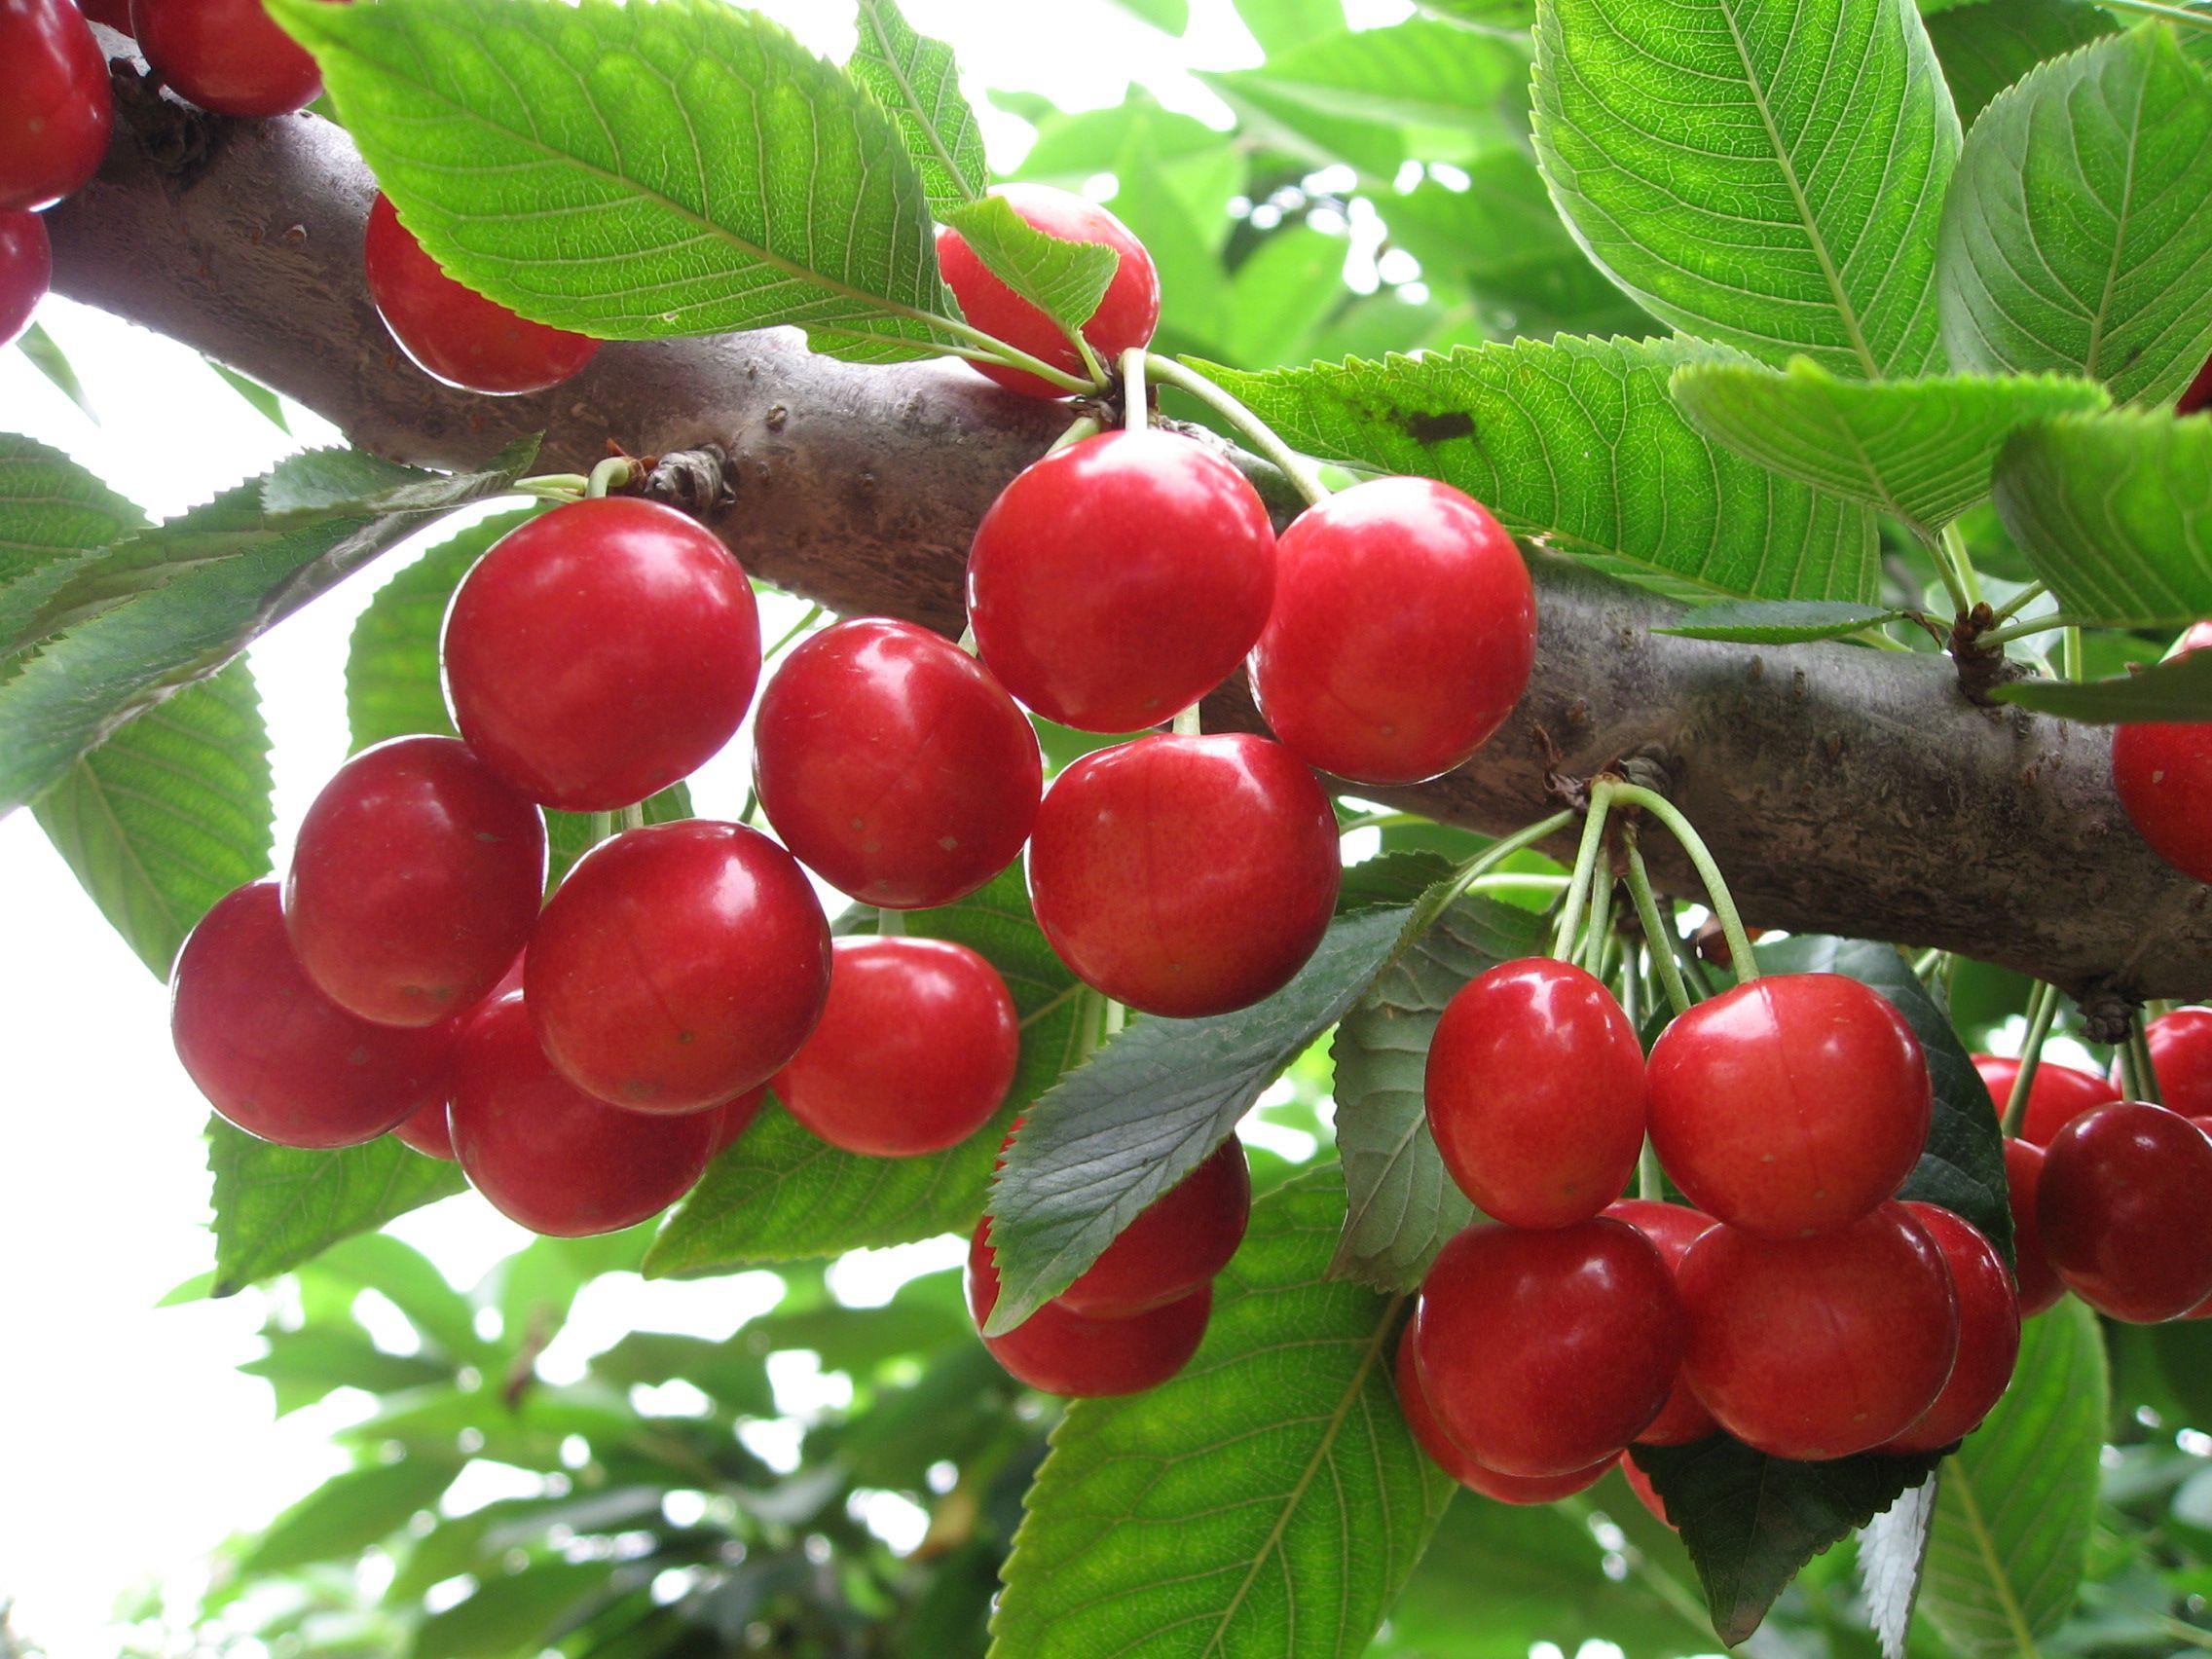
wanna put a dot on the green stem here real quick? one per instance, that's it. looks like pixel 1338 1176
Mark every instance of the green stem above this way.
pixel 989 348
pixel 1116 1017
pixel 2034 625
pixel 1378 821
pixel 554 487
pixel 1497 853
pixel 889 924
pixel 2042 1009
pixel 2070 654
pixel 1293 465
pixel 1926 963
pixel 1648 1184
pixel 1655 927
pixel 1741 959
pixel 1092 366
pixel 1079 428
pixel 633 816
pixel 1134 413
pixel 814 614
pixel 610 474
pixel 1585 869
pixel 1601 930
pixel 1187 723
pixel 1955 549
pixel 2019 601
pixel 597 827
pixel 1940 554
pixel 2146 1074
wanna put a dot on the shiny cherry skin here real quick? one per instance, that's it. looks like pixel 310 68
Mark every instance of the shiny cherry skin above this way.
pixel 1817 1347
pixel 414 881
pixel 2162 773
pixel 1062 1352
pixel 429 1132
pixel 734 1117
pixel 1672 1229
pixel 1536 1093
pixel 1178 1244
pixel 914 1052
pixel 455 333
pixel 2126 1209
pixel 225 55
pixel 893 766
pixel 1126 315
pixel 678 966
pixel 602 652
pixel 277 1057
pixel 1402 633
pixel 1544 1353
pixel 2039 1283
pixel 2055 1099
pixel 1442 1451
pixel 55 113
pixel 1184 875
pixel 1989 1333
pixel 551 1157
pixel 26 269
pixel 1121 580
pixel 2180 1053
pixel 1791 1105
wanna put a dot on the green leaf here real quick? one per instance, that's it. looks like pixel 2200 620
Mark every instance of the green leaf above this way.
pixel 53 514
pixel 1921 451
pixel 2074 240
pixel 277 1207
pixel 2178 690
pixel 355 484
pixel 51 362
pixel 1986 46
pixel 725 1372
pixel 2114 512
pixel 349 1512
pixel 1779 621
pixel 2019 1499
pixel 1280 294
pixel 514 1614
pixel 639 171
pixel 1765 172
pixel 270 405
pixel 1578 443
pixel 1270 1500
pixel 781 1195
pixel 405 1277
pixel 1063 280
pixel 1891 1549
pixel 916 80
pixel 1170 16
pixel 307 1365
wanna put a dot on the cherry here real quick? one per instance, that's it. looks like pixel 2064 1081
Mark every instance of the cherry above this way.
pixel 1402 630
pixel 1544 1353
pixel 2126 1209
pixel 1126 315
pixel 26 267
pixel 678 966
pixel 277 1057
pixel 1791 1105
pixel 1064 1352
pixel 55 113
pixel 225 55
pixel 1184 875
pixel 2162 773
pixel 1672 1229
pixel 1447 1455
pixel 414 881
pixel 914 1052
pixel 551 1157
pixel 1817 1347
pixel 1536 1093
pixel 2038 1280
pixel 2055 1099
pixel 733 1118
pixel 1646 1493
pixel 1121 580
pixel 2181 1054
pixel 1989 1333
pixel 1176 1245
pixel 893 766
pixel 601 652
pixel 2199 397
pixel 115 13
pixel 429 1132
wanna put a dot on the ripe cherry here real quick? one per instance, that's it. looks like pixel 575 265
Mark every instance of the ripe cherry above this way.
pixel 678 966
pixel 2038 1280
pixel 115 13
pixel 277 1057
pixel 55 113
pixel 429 1132
pixel 2162 773
pixel 1791 1105
pixel 225 55
pixel 1126 315
pixel 414 881
pixel 1402 633
pixel 2199 397
pixel 601 652
pixel 551 1157
pixel 2055 1099
pixel 2181 1054
pixel 1447 1455
pixel 1989 1333
pixel 2125 1207
pixel 1672 1229
pixel 893 766
pixel 1184 875
pixel 914 1052
pixel 733 1118
pixel 1178 1244
pixel 1544 1353
pixel 1064 1352
pixel 1536 1093
pixel 1121 580
pixel 1817 1347
pixel 26 267
pixel 1646 1493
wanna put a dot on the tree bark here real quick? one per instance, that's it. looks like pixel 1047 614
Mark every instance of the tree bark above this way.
pixel 1841 790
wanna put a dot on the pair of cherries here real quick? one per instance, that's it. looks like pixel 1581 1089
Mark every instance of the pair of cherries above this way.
pixel 55 116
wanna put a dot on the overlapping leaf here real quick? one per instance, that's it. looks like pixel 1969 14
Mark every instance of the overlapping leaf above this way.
pixel 1063 280
pixel 1986 46
pixel 2179 688
pixel 277 1207
pixel 53 513
pixel 1779 621
pixel 916 80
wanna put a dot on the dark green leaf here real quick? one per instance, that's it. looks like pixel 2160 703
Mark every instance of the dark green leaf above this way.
pixel 51 362
pixel 513 1614
pixel 53 515
pixel 1063 280
pixel 2178 690
pixel 916 80
pixel 350 1512
pixel 1779 621
pixel 1986 46
pixel 277 1207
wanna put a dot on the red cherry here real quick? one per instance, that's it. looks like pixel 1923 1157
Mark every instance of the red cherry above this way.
pixel 1062 1352
pixel 678 966
pixel 1127 314
pixel 1121 580
pixel 55 113
pixel 225 55
pixel 733 1118
pixel 26 269
pixel 1671 1230
pixel 414 881
pixel 115 13
pixel 1791 1105
pixel 452 332
pixel 601 652
pixel 1184 875
pixel 1402 630
pixel 429 1132
pixel 1536 1093
pixel 2162 773
pixel 1178 1244
pixel 1989 1333
pixel 549 1155
pixel 1442 1451
pixel 2125 1207
pixel 2038 1280
pixel 277 1057
pixel 914 1052
pixel 1544 1353
pixel 2055 1099
pixel 2197 399
pixel 2181 1054
pixel 1817 1347
pixel 894 765
pixel 1646 1493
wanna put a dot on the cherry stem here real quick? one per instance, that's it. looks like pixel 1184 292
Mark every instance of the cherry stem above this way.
pixel 1292 465
pixel 1079 428
pixel 814 614
pixel 1438 899
pixel 1741 959
pixel 612 473
pixel 891 924
pixel 634 816
pixel 1116 1017
pixel 1090 364
pixel 989 348
pixel 1601 931
pixel 2019 601
pixel 1939 553
pixel 2136 1057
pixel 1187 722
pixel 597 829
pixel 2070 654
pixel 1133 413
pixel 1378 821
pixel 2034 625
pixel 1649 1185
pixel 1585 869
pixel 1655 926
pixel 554 485
pixel 2042 1009
pixel 967 640
pixel 1955 549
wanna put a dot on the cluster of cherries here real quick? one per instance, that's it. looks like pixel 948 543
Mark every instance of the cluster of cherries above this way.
pixel 1797 1306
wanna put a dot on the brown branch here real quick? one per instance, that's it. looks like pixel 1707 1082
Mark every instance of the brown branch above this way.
pixel 1842 789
